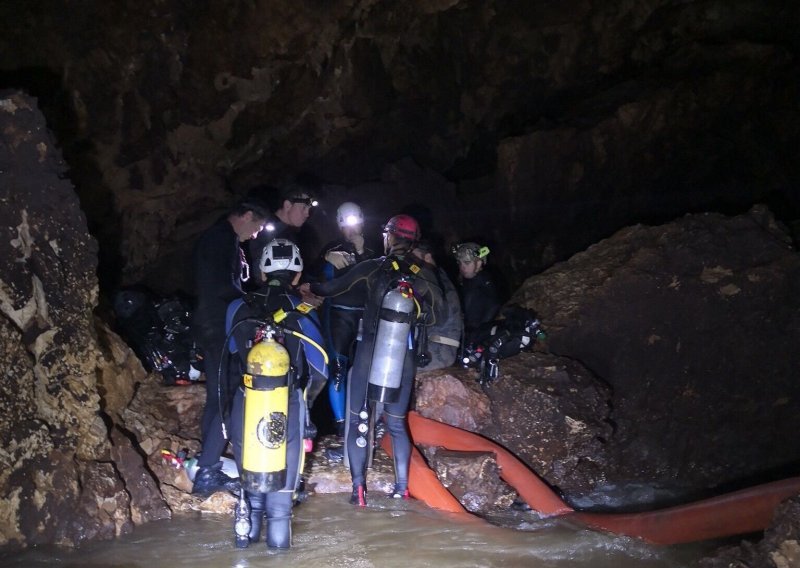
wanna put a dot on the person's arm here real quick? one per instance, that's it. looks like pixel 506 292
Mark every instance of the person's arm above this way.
pixel 306 354
pixel 217 264
pixel 366 254
pixel 357 276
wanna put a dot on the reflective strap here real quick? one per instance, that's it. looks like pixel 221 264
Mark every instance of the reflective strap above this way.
pixel 348 308
pixel 444 340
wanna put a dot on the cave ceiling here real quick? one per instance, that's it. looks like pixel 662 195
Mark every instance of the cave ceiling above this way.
pixel 538 126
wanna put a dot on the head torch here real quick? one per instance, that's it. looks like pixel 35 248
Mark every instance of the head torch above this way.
pixel 351 221
pixel 467 252
pixel 310 201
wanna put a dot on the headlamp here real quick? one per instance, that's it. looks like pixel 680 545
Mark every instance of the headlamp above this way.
pixel 467 252
pixel 351 221
pixel 310 201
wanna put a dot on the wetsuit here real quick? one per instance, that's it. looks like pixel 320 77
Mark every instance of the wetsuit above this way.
pixel 373 278
pixel 480 303
pixel 312 373
pixel 341 316
pixel 218 263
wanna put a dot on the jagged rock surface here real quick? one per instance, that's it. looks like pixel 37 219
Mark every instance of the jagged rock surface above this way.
pixel 58 482
pixel 694 325
pixel 548 124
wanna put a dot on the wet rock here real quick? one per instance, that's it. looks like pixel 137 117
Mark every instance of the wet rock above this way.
pixel 549 411
pixel 57 483
pixel 780 547
pixel 324 475
pixel 445 396
pixel 694 326
pixel 473 478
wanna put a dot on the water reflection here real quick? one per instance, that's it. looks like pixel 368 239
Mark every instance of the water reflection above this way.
pixel 328 532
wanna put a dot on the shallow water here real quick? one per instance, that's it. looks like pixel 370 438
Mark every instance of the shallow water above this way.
pixel 328 532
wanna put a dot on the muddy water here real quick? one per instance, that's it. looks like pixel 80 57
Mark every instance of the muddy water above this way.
pixel 328 532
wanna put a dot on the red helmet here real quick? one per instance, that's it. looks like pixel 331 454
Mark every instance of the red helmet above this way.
pixel 403 226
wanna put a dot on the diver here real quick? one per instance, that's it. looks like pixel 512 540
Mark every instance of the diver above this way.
pixel 279 344
pixel 401 293
pixel 341 316
pixel 480 301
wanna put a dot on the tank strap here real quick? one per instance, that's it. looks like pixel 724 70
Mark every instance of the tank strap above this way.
pixel 444 340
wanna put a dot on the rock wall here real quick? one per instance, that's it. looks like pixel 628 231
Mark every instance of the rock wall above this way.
pixel 546 125
pixel 62 478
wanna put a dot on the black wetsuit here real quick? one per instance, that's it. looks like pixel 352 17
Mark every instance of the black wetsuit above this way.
pixel 373 278
pixel 218 265
pixel 480 303
pixel 244 318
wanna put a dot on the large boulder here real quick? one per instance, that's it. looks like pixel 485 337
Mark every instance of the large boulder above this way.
pixel 58 482
pixel 671 365
pixel 548 411
pixel 695 326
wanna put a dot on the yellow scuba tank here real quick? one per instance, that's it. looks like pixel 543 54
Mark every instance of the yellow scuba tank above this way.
pixel 265 428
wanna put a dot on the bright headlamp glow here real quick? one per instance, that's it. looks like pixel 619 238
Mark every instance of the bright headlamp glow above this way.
pixel 310 201
pixel 351 221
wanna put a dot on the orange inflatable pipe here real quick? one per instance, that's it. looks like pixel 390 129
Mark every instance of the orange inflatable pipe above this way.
pixel 530 487
pixel 745 511
pixel 740 512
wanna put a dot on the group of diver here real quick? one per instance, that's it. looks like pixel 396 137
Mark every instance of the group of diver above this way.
pixel 274 340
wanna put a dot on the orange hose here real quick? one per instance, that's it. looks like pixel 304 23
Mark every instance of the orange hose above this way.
pixel 536 492
pixel 740 512
pixel 745 511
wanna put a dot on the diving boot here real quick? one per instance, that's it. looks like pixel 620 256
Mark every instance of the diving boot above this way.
pixel 257 501
pixel 210 479
pixel 399 493
pixel 279 533
pixel 359 496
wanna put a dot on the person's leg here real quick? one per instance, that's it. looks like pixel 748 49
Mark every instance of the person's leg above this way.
pixel 279 519
pixel 257 511
pixel 211 343
pixel 396 424
pixel 342 329
pixel 356 452
pixel 210 477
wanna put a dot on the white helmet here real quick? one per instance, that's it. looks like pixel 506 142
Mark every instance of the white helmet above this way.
pixel 349 214
pixel 280 254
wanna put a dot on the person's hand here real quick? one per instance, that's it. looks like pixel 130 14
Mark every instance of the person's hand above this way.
pixel 357 240
pixel 307 296
pixel 339 259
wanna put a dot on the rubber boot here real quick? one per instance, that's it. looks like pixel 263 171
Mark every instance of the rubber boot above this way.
pixel 257 502
pixel 400 492
pixel 279 520
pixel 359 496
pixel 279 533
